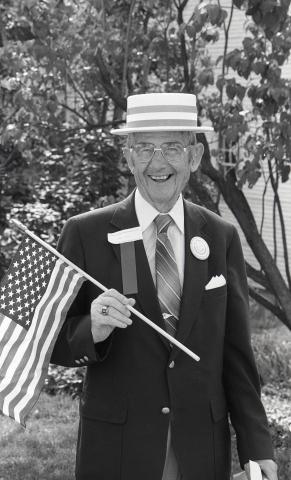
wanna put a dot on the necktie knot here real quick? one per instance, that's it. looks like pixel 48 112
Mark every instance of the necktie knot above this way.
pixel 162 222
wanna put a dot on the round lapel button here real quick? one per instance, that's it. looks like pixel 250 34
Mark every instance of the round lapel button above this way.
pixel 200 248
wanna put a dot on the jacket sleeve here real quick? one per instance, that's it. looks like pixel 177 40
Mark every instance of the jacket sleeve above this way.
pixel 241 379
pixel 75 346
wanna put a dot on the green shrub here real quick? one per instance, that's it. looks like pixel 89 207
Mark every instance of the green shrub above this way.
pixel 64 379
pixel 272 350
pixel 261 318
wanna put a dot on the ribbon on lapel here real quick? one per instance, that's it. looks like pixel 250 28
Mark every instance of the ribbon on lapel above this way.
pixel 128 268
pixel 126 238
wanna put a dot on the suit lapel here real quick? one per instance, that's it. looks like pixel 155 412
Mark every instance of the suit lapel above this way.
pixel 195 274
pixel 125 217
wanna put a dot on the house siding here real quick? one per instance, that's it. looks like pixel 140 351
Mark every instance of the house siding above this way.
pixel 254 195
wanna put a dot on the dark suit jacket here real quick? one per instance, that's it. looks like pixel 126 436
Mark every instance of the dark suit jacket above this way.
pixel 122 431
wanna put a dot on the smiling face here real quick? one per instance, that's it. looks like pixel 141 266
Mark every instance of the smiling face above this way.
pixel 159 181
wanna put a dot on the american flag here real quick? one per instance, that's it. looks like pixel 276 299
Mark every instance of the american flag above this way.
pixel 35 295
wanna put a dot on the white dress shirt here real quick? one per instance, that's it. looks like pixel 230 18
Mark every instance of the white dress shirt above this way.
pixel 146 214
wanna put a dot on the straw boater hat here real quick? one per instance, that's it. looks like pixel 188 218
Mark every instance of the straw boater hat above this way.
pixel 156 112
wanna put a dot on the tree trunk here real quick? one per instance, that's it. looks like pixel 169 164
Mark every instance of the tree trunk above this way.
pixel 237 203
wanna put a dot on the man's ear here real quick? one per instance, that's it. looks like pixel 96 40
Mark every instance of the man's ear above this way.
pixel 195 152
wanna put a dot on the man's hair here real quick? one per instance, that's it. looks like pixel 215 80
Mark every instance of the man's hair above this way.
pixel 190 138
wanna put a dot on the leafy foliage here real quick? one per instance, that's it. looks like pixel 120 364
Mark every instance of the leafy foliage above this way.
pixel 56 161
pixel 64 380
pixel 66 69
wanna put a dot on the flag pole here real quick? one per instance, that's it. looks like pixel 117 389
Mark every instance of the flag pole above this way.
pixel 17 224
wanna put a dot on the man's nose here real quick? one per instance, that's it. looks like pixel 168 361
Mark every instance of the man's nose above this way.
pixel 158 158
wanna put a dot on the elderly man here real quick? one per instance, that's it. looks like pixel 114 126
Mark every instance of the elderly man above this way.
pixel 148 411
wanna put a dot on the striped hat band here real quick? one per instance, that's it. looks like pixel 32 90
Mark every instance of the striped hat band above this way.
pixel 161 112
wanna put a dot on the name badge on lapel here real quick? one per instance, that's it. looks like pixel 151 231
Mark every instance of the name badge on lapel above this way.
pixel 126 238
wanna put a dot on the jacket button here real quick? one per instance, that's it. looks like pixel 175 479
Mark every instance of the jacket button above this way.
pixel 165 410
pixel 172 364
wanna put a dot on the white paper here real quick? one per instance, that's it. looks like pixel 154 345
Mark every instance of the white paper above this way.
pixel 255 472
pixel 127 235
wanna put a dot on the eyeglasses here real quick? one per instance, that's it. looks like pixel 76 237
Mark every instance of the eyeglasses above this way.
pixel 172 151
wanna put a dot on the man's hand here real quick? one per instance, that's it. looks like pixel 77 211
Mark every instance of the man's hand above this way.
pixel 269 469
pixel 118 314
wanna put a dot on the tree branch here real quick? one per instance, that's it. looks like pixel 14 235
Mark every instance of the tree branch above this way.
pixel 282 223
pixel 258 276
pixel 200 194
pixel 89 127
pixel 183 4
pixel 274 222
pixel 169 7
pixel 76 88
pixel 75 112
pixel 226 36
pixel 278 312
pixel 184 57
pixel 263 206
pixel 112 91
pixel 126 50
pixel 104 15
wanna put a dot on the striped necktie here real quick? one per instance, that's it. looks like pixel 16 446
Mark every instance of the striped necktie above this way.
pixel 167 276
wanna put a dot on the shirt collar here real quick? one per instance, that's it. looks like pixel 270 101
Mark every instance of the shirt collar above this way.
pixel 146 213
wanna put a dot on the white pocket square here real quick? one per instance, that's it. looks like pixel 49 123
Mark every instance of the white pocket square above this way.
pixel 215 282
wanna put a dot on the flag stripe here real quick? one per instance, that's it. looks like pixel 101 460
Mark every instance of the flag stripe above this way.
pixel 36 368
pixel 10 359
pixel 26 344
pixel 54 313
pixel 43 352
pixel 14 333
pixel 33 399
pixel 8 330
pixel 40 334
pixel 5 324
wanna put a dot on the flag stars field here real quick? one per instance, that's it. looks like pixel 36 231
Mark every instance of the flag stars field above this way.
pixel 29 287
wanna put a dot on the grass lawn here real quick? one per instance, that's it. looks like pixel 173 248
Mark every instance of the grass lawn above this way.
pixel 46 449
